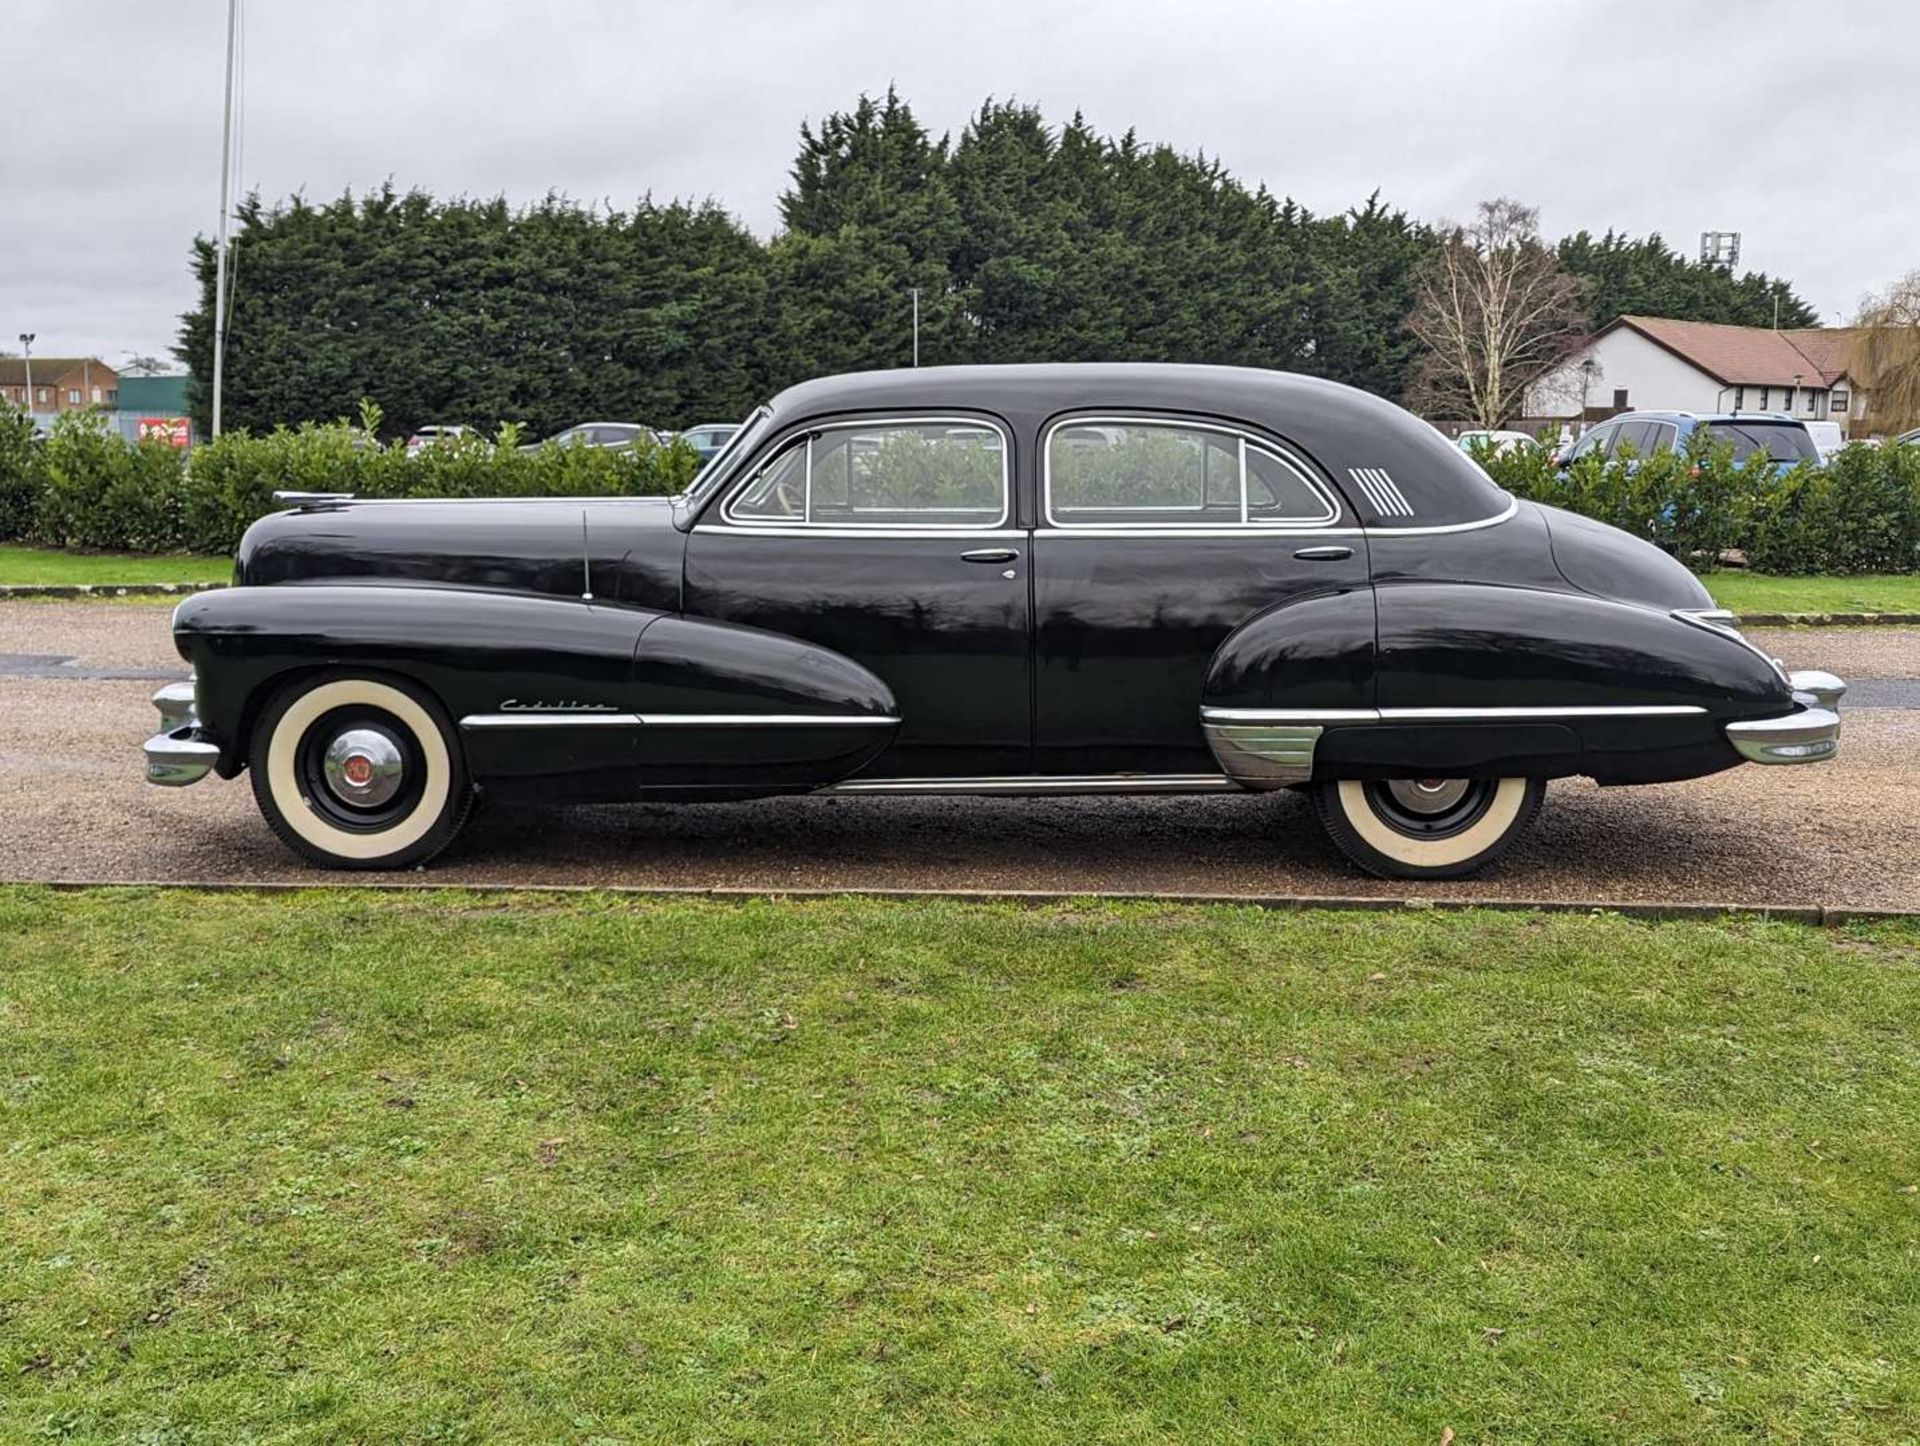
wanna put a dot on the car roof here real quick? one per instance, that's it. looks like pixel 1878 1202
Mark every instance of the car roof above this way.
pixel 1704 417
pixel 1346 430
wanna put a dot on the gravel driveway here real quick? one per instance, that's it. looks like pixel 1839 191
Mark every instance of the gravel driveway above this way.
pixel 74 806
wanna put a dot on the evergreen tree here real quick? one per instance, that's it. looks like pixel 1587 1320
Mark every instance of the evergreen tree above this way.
pixel 1026 242
pixel 1646 277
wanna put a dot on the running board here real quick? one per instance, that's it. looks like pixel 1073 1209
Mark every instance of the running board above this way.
pixel 1041 784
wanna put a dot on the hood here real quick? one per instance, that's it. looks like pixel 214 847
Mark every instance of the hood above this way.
pixel 617 549
pixel 1609 563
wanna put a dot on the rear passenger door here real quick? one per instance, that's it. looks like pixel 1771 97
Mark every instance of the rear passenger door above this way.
pixel 1158 536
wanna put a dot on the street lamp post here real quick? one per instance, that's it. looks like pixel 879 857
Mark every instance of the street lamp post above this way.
pixel 916 326
pixel 26 356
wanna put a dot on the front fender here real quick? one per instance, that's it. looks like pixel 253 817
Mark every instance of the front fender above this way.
pixel 561 696
pixel 473 650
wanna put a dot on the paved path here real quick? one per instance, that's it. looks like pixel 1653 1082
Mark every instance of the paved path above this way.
pixel 73 806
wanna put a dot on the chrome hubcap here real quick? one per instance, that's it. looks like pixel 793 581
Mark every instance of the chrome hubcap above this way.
pixel 363 767
pixel 1428 795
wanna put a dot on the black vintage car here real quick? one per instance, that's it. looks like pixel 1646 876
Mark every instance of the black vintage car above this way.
pixel 1010 580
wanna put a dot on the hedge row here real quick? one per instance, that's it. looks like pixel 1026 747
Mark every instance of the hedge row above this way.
pixel 86 487
pixel 1859 513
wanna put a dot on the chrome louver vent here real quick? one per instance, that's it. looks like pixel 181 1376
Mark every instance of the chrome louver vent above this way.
pixel 1381 491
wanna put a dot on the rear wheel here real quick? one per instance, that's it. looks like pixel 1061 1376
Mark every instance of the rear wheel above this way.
pixel 357 772
pixel 1427 828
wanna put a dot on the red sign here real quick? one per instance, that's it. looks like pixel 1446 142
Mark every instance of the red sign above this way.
pixel 172 430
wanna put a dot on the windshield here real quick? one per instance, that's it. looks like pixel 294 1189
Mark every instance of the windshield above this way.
pixel 720 460
pixel 1781 441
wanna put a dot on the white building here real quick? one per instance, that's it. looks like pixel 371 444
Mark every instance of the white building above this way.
pixel 1651 363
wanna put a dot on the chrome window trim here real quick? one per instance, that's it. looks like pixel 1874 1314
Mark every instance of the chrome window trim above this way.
pixel 1506 514
pixel 716 465
pixel 792 530
pixel 1280 452
pixel 804 434
pixel 677 720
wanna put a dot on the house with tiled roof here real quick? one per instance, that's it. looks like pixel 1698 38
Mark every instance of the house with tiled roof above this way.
pixel 1654 363
pixel 60 383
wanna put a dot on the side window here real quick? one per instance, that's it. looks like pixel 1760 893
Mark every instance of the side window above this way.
pixel 891 474
pixel 1599 440
pixel 1633 436
pixel 1162 474
pixel 1664 436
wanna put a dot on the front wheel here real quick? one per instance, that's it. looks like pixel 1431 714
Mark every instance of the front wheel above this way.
pixel 356 772
pixel 1427 828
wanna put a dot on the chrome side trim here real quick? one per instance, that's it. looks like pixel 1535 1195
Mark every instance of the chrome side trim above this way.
pixel 1812 735
pixel 1285 716
pixel 550 720
pixel 768 720
pixel 1289 715
pixel 1037 785
pixel 1598 710
pixel 677 720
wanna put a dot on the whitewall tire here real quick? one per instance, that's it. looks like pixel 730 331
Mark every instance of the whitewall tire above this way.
pixel 355 771
pixel 1427 828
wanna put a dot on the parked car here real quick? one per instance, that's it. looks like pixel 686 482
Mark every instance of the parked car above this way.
pixel 1909 438
pixel 1501 442
pixel 1024 580
pixel 1779 436
pixel 598 434
pixel 434 436
pixel 709 437
pixel 1827 437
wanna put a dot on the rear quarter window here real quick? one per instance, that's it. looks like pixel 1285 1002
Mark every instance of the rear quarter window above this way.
pixel 1781 441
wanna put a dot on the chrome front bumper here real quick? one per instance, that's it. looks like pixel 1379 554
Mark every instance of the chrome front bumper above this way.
pixel 1809 735
pixel 177 754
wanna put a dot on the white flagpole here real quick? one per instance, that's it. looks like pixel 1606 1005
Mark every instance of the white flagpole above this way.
pixel 220 259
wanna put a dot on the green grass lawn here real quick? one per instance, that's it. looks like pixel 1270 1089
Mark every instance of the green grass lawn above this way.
pixel 341 1166
pixel 40 565
pixel 1868 593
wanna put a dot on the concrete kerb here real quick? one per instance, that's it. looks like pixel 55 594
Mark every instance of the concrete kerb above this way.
pixel 1827 915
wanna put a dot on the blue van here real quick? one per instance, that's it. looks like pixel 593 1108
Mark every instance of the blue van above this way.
pixel 1775 434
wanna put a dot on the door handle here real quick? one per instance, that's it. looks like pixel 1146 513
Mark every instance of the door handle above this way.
pixel 1324 554
pixel 992 554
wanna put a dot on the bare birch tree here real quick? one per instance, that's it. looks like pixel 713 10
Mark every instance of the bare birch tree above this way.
pixel 1885 355
pixel 1493 311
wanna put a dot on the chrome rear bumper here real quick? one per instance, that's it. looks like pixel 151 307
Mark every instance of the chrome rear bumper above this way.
pixel 1809 735
pixel 178 754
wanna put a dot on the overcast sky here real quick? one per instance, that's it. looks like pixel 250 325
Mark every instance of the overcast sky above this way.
pixel 1795 123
